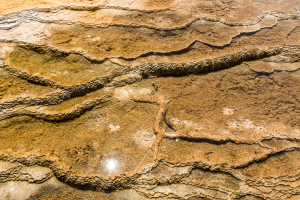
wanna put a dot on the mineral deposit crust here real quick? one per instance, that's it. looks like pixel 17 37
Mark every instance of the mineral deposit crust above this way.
pixel 149 99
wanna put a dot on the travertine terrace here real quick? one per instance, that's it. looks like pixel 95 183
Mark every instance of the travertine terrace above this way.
pixel 150 99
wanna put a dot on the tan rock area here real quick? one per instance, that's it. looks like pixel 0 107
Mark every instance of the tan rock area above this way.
pixel 150 99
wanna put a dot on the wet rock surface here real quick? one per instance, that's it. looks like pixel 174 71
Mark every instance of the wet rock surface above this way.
pixel 152 99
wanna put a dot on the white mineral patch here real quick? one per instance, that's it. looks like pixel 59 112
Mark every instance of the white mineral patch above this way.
pixel 296 132
pixel 10 23
pixel 36 172
pixel 20 190
pixel 243 124
pixel 144 138
pixel 176 120
pixel 32 32
pixel 124 93
pixel 144 91
pixel 5 49
pixel 224 132
pixel 228 111
pixel 114 128
pixel 247 124
pixel 96 38
pixel 186 124
pixel 171 135
pixel 237 124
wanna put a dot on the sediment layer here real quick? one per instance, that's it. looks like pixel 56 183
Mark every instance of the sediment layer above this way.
pixel 150 99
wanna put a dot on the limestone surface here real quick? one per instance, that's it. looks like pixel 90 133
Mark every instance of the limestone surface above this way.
pixel 150 99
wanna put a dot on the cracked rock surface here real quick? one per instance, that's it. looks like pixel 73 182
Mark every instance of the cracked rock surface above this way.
pixel 150 99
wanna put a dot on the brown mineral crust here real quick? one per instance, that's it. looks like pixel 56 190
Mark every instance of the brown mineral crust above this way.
pixel 51 142
pixel 61 71
pixel 144 99
pixel 261 67
pixel 229 10
pixel 258 149
pixel 13 87
pixel 114 41
pixel 154 69
pixel 190 50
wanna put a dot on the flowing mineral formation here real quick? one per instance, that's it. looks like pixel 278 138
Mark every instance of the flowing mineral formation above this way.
pixel 150 99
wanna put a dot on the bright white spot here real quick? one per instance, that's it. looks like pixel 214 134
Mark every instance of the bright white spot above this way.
pixel 296 132
pixel 186 123
pixel 223 132
pixel 124 93
pixel 111 164
pixel 144 138
pixel 95 38
pixel 248 124
pixel 113 127
pixel 227 111
pixel 243 124
pixel 175 120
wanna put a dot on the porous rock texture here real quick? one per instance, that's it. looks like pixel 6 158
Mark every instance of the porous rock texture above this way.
pixel 150 99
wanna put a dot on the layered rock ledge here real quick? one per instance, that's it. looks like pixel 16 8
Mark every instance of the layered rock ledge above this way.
pixel 150 99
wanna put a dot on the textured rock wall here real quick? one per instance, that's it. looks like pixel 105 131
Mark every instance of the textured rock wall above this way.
pixel 150 99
